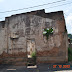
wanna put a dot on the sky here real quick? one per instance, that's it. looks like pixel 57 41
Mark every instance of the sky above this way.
pixel 52 5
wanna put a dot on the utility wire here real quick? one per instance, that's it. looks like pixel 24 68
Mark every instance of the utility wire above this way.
pixel 33 6
pixel 60 5
pixel 57 6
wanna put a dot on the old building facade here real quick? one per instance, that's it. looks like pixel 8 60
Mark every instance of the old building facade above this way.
pixel 23 33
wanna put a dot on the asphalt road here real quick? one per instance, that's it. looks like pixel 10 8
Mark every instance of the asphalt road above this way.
pixel 40 68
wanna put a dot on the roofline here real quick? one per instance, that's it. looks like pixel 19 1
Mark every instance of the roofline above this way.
pixel 42 10
pixel 33 13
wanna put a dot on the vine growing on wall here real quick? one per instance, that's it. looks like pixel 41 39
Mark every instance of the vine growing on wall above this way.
pixel 47 32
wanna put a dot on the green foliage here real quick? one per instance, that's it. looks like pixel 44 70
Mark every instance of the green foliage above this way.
pixel 70 36
pixel 47 32
pixel 34 55
pixel 69 54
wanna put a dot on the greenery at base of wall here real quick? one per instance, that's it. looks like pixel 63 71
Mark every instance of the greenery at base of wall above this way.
pixel 47 32
pixel 33 55
pixel 69 54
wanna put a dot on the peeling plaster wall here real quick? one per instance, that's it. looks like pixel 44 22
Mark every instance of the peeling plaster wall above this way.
pixel 3 37
pixel 27 27
pixel 2 34
pixel 20 28
pixel 56 49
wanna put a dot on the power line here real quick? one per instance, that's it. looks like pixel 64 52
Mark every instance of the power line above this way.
pixel 56 6
pixel 59 5
pixel 33 6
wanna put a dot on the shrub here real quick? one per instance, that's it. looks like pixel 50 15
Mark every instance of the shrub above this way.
pixel 34 55
pixel 69 54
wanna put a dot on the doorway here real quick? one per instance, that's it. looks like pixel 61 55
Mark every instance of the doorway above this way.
pixel 30 47
pixel 31 52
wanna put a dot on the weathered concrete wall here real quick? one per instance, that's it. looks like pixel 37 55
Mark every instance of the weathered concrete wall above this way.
pixel 29 26
pixel 3 41
pixel 2 34
pixel 57 45
pixel 3 37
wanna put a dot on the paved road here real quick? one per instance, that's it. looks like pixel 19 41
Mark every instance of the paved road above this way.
pixel 40 68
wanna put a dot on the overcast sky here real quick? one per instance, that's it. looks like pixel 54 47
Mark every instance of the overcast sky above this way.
pixel 65 5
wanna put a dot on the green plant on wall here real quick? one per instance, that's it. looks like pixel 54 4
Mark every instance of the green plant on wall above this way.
pixel 47 32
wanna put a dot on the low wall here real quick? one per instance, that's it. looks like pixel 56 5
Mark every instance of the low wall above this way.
pixel 13 59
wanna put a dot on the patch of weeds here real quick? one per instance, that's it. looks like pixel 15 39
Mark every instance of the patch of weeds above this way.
pixel 69 54
pixel 34 56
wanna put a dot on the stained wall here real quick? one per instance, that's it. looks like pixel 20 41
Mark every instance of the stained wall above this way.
pixel 29 26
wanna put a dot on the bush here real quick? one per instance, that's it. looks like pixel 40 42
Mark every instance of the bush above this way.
pixel 69 54
pixel 34 55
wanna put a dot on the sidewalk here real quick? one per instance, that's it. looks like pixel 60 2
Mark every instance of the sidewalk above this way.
pixel 64 71
pixel 39 68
